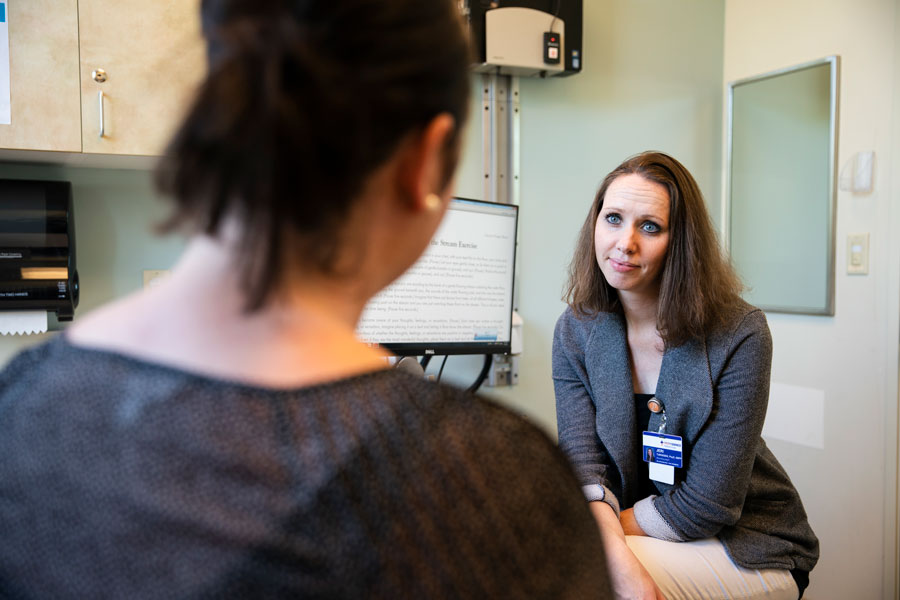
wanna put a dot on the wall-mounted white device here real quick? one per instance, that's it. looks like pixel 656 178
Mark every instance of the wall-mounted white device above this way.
pixel 857 173
pixel 526 38
pixel 515 42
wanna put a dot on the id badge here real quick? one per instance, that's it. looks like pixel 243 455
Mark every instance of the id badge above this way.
pixel 663 453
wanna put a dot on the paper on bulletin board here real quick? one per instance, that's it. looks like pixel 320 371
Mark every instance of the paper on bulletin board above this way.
pixel 5 113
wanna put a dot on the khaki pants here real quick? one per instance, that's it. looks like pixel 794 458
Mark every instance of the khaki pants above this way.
pixel 701 570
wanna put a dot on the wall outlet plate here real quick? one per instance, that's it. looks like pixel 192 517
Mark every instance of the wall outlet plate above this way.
pixel 154 277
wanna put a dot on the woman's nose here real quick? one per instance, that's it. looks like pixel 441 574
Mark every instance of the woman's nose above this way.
pixel 626 241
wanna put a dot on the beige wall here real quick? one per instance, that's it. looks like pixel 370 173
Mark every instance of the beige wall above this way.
pixel 892 405
pixel 849 485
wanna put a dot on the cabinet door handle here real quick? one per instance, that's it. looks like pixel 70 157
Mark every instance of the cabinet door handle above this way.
pixel 100 100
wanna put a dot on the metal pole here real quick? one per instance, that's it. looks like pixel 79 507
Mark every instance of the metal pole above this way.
pixel 501 115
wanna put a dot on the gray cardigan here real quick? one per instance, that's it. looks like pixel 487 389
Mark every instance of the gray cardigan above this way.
pixel 715 394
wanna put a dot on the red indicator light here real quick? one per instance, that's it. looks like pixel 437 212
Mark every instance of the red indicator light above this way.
pixel 553 39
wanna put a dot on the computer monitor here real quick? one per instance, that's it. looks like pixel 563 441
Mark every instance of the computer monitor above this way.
pixel 458 297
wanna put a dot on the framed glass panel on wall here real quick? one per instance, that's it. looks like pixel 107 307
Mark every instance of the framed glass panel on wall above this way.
pixel 781 186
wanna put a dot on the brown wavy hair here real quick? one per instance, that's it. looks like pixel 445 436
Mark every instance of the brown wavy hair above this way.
pixel 699 286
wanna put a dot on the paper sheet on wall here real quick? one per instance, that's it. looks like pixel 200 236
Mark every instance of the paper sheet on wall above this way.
pixel 5 113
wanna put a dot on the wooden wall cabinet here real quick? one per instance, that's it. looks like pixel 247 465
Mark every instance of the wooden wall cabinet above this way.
pixel 151 52
pixel 43 77
pixel 153 57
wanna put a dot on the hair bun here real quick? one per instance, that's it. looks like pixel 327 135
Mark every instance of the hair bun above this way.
pixel 304 99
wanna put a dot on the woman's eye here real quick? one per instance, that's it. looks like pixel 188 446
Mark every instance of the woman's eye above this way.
pixel 613 219
pixel 651 227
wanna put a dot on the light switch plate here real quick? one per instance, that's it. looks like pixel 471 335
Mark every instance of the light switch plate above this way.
pixel 154 277
pixel 858 254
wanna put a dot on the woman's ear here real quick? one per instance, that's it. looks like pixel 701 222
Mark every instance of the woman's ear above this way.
pixel 422 176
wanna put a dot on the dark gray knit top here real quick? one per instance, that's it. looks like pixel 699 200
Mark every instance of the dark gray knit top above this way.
pixel 124 479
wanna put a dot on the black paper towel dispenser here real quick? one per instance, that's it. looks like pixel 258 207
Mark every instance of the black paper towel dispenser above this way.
pixel 37 247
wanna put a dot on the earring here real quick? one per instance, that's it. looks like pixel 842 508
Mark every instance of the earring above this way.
pixel 432 202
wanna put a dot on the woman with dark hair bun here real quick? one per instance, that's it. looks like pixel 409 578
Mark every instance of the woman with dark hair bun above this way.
pixel 661 374
pixel 225 434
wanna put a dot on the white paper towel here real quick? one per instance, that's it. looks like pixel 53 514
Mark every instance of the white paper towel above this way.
pixel 22 322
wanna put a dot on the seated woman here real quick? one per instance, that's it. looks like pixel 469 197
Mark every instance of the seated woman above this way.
pixel 661 374
pixel 225 435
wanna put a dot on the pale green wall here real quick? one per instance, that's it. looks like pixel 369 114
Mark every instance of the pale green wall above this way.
pixel 652 79
pixel 114 214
